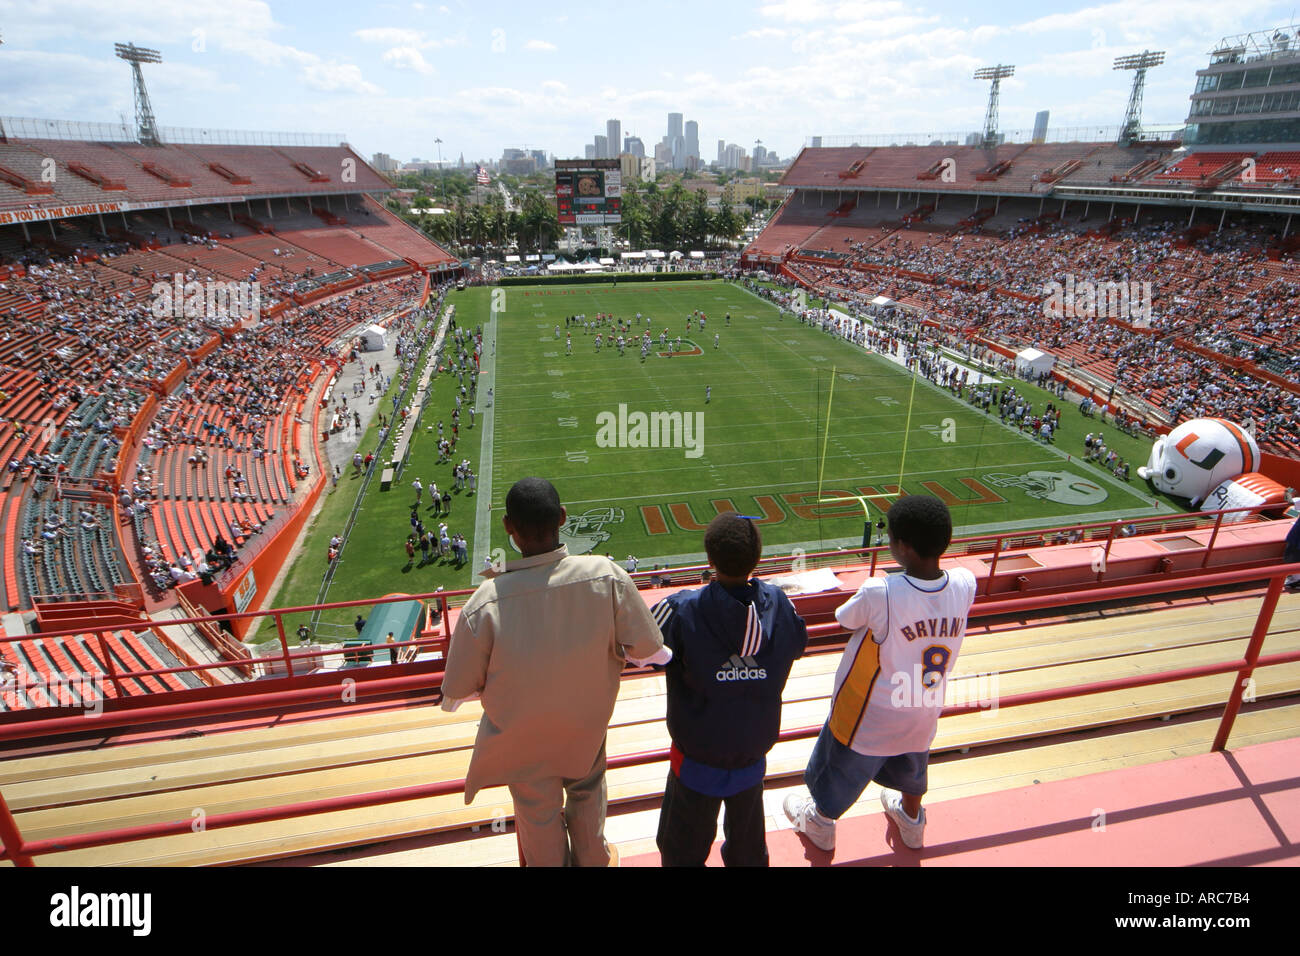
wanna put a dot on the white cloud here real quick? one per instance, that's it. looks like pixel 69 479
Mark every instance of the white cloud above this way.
pixel 241 27
pixel 540 45
pixel 333 76
pixel 392 36
pixel 806 11
pixel 404 37
pixel 407 58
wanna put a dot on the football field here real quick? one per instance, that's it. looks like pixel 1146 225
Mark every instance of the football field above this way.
pixel 643 456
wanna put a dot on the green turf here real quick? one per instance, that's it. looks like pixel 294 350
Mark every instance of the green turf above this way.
pixel 374 561
pixel 763 438
pixel 763 430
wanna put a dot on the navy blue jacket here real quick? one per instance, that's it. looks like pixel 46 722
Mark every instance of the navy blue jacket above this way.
pixel 728 670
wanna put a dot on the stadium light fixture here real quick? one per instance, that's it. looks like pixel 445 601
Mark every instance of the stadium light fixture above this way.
pixel 146 125
pixel 1131 129
pixel 997 74
pixel 442 173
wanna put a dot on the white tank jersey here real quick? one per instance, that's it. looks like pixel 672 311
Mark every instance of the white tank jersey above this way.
pixel 890 684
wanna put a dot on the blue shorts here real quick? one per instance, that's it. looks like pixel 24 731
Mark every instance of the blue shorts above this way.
pixel 837 775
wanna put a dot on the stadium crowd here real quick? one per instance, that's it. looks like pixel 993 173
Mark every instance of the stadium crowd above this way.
pixel 83 347
pixel 1218 295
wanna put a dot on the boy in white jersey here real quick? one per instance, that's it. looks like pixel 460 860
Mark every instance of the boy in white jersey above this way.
pixel 889 687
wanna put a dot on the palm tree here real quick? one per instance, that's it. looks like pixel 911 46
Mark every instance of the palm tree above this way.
pixel 698 219
pixel 635 219
pixel 726 223
pixel 477 225
pixel 539 227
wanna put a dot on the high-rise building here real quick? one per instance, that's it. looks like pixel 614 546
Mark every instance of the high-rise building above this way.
pixel 693 140
pixel 1040 126
pixel 678 146
pixel 663 154
pixel 384 163
pixel 633 145
pixel 735 157
pixel 589 151
pixel 636 168
pixel 674 125
pixel 722 151
pixel 522 162
pixel 613 137
pixel 601 147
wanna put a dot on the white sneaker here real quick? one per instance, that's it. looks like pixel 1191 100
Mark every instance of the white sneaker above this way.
pixel 912 831
pixel 802 812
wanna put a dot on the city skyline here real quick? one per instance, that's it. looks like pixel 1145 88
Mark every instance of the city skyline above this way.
pixel 395 76
pixel 673 150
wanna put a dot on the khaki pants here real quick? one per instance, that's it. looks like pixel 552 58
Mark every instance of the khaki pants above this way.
pixel 562 822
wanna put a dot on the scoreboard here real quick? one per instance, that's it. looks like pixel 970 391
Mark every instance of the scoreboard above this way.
pixel 588 192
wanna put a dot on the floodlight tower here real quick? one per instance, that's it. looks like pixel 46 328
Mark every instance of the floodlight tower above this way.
pixel 1139 63
pixel 2 125
pixel 146 126
pixel 997 74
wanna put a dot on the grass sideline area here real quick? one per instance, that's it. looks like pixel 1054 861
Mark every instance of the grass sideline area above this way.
pixel 763 436
pixel 374 561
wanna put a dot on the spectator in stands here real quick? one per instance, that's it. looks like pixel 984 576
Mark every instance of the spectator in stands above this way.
pixel 543 642
pixel 722 729
pixel 885 710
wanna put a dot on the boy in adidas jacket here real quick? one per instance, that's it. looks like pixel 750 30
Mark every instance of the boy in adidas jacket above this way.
pixel 733 644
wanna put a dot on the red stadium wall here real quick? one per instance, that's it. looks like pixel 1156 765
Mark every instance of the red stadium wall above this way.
pixel 1285 471
pixel 262 570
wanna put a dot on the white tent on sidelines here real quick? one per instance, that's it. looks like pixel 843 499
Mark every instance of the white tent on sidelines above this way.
pixel 374 338
pixel 572 267
pixel 631 255
pixel 606 261
pixel 1034 362
pixel 696 254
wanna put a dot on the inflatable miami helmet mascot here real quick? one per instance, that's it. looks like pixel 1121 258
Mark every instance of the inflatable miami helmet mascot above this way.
pixel 1199 455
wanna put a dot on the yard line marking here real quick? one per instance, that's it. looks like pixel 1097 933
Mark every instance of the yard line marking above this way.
pixel 487 377
pixel 766 486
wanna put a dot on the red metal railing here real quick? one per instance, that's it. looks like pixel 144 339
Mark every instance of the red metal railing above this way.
pixel 995 546
pixel 991 547
pixel 23 853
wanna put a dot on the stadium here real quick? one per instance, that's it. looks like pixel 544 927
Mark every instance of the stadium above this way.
pixel 258 432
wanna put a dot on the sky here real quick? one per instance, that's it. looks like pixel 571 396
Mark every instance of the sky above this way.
pixel 483 75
